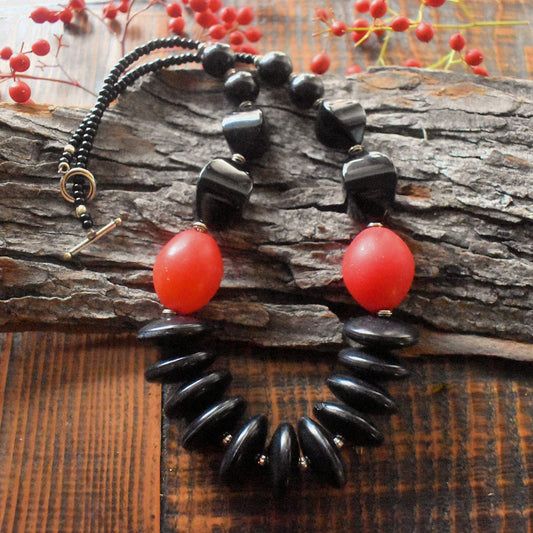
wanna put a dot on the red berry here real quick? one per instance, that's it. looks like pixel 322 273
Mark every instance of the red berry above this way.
pixel 40 47
pixel 6 53
pixel 53 16
pixel 253 34
pixel 215 5
pixel 19 62
pixel 353 69
pixel 173 9
pixel 378 8
pixel 320 63
pixel 378 269
pixel 400 23
pixel 359 23
pixel 362 6
pixel 338 28
pixel 124 6
pixel 20 92
pixel 480 71
pixel 434 3
pixel 206 19
pixel 474 57
pixel 188 271
pixel 379 25
pixel 412 62
pixel 245 15
pixel 199 5
pixel 457 42
pixel 40 15
pixel 176 25
pixel 110 11
pixel 321 14
pixel 248 48
pixel 236 38
pixel 228 14
pixel 217 31
pixel 77 4
pixel 424 32
pixel 66 15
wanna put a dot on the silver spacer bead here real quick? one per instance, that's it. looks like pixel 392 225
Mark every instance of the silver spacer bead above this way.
pixel 385 313
pixel 375 225
pixel 69 149
pixel 303 463
pixel 355 148
pixel 200 226
pixel 262 459
pixel 80 210
pixel 257 60
pixel 339 441
pixel 238 158
pixel 317 102
pixel 226 439
pixel 168 312
pixel 246 104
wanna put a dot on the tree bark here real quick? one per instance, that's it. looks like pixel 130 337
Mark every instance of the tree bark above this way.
pixel 462 148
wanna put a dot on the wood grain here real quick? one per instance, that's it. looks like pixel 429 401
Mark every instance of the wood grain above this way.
pixel 463 207
pixel 79 434
pixel 457 457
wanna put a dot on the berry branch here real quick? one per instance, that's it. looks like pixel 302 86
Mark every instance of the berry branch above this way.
pixel 385 22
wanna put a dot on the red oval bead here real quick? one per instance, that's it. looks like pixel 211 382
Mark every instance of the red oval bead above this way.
pixel 188 271
pixel 378 269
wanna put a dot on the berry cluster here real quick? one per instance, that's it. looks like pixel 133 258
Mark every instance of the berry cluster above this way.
pixel 216 20
pixel 375 19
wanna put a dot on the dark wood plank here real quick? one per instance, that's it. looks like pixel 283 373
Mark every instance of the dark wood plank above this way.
pixel 458 456
pixel 79 434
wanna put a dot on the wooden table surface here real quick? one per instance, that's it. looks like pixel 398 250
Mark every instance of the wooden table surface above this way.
pixel 83 444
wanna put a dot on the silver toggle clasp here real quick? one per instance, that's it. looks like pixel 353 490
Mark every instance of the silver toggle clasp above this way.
pixel 92 236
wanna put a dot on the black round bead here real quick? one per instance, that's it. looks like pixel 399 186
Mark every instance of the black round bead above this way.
pixel 305 90
pixel 240 87
pixel 87 224
pixel 217 59
pixel 275 68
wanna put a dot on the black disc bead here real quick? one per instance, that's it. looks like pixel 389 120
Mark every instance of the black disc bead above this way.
pixel 305 90
pixel 217 59
pixel 241 86
pixel 283 455
pixel 274 68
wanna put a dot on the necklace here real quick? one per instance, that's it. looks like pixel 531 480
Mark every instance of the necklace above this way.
pixel 378 269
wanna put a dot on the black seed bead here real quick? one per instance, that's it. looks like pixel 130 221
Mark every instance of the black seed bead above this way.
pixel 240 87
pixel 305 90
pixel 217 59
pixel 275 68
pixel 87 223
pixel 79 201
pixel 90 131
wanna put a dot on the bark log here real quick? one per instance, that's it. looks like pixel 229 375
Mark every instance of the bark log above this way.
pixel 462 147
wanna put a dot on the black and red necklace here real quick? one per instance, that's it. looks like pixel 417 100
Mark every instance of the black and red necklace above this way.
pixel 377 269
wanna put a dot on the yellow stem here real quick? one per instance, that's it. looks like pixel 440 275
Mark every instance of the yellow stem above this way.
pixel 441 61
pixel 483 23
pixel 381 58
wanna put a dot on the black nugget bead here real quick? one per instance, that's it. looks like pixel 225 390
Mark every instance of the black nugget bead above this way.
pixel 223 190
pixel 370 179
pixel 324 456
pixel 340 123
pixel 368 365
pixel 361 395
pixel 179 368
pixel 240 457
pixel 380 332
pixel 209 427
pixel 241 86
pixel 198 395
pixel 348 423
pixel 171 325
pixel 283 455
pixel 246 132
pixel 305 90
pixel 217 59
pixel 275 68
